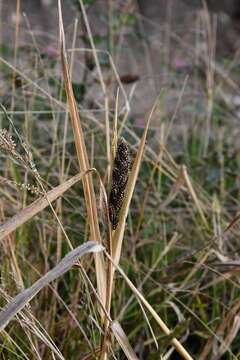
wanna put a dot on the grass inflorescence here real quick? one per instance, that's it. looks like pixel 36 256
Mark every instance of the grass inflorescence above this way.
pixel 120 174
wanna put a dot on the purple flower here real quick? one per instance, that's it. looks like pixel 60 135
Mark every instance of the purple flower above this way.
pixel 52 51
pixel 180 64
pixel 140 123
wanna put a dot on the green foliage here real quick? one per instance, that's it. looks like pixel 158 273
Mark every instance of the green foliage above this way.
pixel 4 50
pixel 75 4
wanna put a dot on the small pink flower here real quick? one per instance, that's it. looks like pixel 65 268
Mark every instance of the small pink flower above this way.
pixel 180 64
pixel 140 123
pixel 52 51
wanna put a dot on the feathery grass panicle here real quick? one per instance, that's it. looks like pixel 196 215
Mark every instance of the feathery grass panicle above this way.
pixel 8 145
pixel 29 187
pixel 119 181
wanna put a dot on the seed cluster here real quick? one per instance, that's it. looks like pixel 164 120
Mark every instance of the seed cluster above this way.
pixel 119 181
pixel 8 145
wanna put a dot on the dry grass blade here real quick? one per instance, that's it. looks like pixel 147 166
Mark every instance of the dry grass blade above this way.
pixel 37 206
pixel 121 219
pixel 230 320
pixel 19 301
pixel 108 235
pixel 167 248
pixel 109 283
pixel 178 346
pixel 103 86
pixel 174 190
pixel 232 223
pixel 45 338
pixel 118 234
pixel 33 83
pixel 78 137
pixel 123 340
pixel 83 162
pixel 114 133
pixel 148 324
pixel 194 196
pixel 227 341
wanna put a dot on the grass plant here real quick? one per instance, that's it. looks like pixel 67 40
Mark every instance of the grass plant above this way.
pixel 157 205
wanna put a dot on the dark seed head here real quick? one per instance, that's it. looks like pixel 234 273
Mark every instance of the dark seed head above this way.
pixel 119 181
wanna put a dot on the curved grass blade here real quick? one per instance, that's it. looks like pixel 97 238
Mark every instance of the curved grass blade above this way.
pixel 19 301
pixel 37 206
pixel 123 340
pixel 178 346
pixel 119 232
pixel 83 161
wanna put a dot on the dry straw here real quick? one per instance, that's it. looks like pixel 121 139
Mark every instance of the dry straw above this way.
pixel 18 303
pixel 82 156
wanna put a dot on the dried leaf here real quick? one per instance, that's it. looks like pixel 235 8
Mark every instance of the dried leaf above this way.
pixel 83 162
pixel 37 206
pixel 19 301
pixel 123 340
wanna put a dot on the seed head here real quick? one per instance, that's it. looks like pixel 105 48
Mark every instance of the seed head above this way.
pixel 119 181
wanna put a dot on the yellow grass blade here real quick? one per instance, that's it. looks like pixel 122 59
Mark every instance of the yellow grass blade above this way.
pixel 103 86
pixel 118 233
pixel 194 196
pixel 178 346
pixel 37 206
pixel 123 340
pixel 83 163
pixel 175 189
